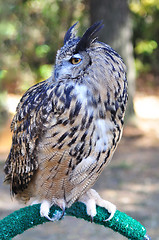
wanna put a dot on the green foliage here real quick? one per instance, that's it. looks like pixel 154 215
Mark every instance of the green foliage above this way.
pixel 31 31
pixel 146 47
pixel 45 70
pixel 42 50
pixel 146 38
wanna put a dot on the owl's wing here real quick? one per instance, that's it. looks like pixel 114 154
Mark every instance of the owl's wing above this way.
pixel 28 126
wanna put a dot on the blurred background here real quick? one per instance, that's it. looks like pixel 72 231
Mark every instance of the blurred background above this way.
pixel 31 31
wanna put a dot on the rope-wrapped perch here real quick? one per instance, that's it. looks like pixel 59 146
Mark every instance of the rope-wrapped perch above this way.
pixel 28 217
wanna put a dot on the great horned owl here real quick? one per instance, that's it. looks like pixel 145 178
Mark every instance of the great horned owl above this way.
pixel 67 127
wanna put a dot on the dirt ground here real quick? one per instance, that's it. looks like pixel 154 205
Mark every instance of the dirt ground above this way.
pixel 131 181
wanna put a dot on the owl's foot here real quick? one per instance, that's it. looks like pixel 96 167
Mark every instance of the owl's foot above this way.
pixel 91 198
pixel 45 209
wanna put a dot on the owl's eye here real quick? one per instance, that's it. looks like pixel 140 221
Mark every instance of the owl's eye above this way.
pixel 75 59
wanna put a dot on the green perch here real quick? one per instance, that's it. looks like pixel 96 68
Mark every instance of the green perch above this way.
pixel 28 217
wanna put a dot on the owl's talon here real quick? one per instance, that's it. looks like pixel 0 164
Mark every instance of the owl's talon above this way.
pixel 112 212
pixel 63 214
pixel 45 209
pixel 50 219
pixel 91 199
pixel 57 216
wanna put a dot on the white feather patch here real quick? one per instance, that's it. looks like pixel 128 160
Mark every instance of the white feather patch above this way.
pixel 80 172
pixel 81 91
pixel 103 134
pixel 82 95
pixel 84 165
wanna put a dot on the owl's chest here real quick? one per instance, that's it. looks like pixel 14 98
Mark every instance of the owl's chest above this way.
pixel 83 127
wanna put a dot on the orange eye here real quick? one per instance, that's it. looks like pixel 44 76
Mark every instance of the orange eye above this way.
pixel 75 60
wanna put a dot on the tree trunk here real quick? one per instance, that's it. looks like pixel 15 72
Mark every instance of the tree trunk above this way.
pixel 117 33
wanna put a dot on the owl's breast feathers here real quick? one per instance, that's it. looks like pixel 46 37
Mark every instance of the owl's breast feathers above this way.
pixel 64 123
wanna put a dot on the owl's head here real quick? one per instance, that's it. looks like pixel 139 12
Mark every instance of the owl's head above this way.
pixel 89 61
pixel 73 58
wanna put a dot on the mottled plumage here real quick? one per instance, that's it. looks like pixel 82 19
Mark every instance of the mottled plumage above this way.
pixel 67 127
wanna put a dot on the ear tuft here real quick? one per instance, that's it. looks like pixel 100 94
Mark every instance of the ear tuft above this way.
pixel 89 36
pixel 71 33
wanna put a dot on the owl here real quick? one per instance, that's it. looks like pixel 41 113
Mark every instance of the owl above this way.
pixel 67 127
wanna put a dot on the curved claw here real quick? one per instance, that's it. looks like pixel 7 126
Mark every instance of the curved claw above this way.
pixel 50 219
pixel 45 209
pixel 56 216
pixel 63 213
pixel 112 211
pixel 91 198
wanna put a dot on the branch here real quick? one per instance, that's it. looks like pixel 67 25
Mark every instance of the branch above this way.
pixel 28 217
